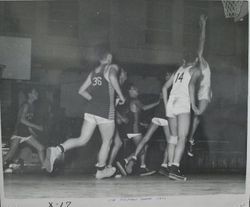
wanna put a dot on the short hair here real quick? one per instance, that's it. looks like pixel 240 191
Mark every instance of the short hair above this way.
pixel 102 53
pixel 29 90
pixel 188 56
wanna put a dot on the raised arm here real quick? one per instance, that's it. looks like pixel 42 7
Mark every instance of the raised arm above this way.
pixel 115 82
pixel 82 91
pixel 203 20
pixel 191 87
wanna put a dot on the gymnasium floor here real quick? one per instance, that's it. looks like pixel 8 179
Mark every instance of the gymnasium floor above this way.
pixel 25 186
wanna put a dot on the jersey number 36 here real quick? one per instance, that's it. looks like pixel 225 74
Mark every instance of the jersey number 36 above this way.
pixel 97 81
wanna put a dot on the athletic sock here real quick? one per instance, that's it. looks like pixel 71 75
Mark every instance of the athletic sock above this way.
pixel 170 164
pixel 61 148
pixel 99 167
pixel 176 164
pixel 134 157
pixel 143 166
pixel 164 165
pixel 191 141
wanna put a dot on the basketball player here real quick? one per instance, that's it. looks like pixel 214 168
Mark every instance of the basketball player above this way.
pixel 99 89
pixel 120 120
pixel 159 119
pixel 202 76
pixel 25 131
pixel 178 112
pixel 131 118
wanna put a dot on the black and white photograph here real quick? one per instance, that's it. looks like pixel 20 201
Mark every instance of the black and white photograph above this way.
pixel 124 103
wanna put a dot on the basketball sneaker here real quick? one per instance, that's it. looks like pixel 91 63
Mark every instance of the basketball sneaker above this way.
pixel 117 174
pixel 175 174
pixel 130 165
pixel 52 154
pixel 107 172
pixel 17 165
pixel 163 171
pixel 8 170
pixel 6 165
pixel 144 171
pixel 121 165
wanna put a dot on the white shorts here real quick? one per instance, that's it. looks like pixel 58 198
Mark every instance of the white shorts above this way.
pixel 205 93
pixel 22 139
pixel 160 121
pixel 132 135
pixel 97 119
pixel 177 105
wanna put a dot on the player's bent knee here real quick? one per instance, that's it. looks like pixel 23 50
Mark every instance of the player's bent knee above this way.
pixel 41 148
pixel 173 140
pixel 118 144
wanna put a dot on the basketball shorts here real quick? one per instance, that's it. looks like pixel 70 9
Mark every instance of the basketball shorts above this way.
pixel 22 139
pixel 97 119
pixel 160 121
pixel 205 93
pixel 132 135
pixel 177 105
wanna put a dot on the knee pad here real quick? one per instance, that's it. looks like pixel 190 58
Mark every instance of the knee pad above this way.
pixel 173 140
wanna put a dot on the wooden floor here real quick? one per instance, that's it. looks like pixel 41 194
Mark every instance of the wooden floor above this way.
pixel 25 186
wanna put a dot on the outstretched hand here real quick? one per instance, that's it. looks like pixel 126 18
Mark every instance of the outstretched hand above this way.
pixel 203 20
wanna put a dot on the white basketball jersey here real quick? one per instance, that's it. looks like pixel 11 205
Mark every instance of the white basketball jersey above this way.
pixel 180 83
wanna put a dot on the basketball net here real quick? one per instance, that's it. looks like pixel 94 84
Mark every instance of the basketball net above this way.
pixel 232 8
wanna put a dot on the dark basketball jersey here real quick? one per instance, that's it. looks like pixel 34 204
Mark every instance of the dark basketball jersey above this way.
pixel 21 129
pixel 103 95
pixel 160 111
pixel 130 114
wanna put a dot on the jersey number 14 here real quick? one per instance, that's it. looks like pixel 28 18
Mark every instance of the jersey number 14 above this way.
pixel 179 77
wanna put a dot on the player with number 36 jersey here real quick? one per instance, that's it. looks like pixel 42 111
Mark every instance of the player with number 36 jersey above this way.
pixel 102 103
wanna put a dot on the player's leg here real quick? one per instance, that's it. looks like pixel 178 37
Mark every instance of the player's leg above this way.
pixel 183 128
pixel 203 103
pixel 116 147
pixel 107 131
pixel 173 128
pixel 202 106
pixel 87 131
pixel 191 141
pixel 39 147
pixel 183 123
pixel 126 166
pixel 171 139
pixel 11 153
pixel 54 153
pixel 171 142
pixel 140 147
pixel 167 149
pixel 136 140
pixel 143 170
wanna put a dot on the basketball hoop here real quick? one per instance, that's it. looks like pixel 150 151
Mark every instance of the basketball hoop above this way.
pixel 232 8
